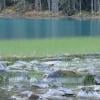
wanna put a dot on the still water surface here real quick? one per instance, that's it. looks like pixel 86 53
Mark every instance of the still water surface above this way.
pixel 47 28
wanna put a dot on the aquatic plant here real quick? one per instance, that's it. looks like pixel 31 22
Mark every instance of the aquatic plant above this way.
pixel 89 80
pixel 1 79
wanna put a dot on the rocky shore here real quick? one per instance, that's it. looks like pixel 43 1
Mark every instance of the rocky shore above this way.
pixel 74 77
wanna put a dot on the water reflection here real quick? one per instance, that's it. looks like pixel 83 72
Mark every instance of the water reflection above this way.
pixel 48 28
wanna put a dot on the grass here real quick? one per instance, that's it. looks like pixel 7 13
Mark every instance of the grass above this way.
pixel 42 47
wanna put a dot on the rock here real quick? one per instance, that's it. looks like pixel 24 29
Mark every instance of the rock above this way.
pixel 39 88
pixel 58 94
pixel 54 63
pixel 57 98
pixel 67 92
pixel 55 92
pixel 35 87
pixel 39 85
pixel 63 92
pixel 88 94
pixel 62 73
pixel 97 88
pixel 2 68
pixel 34 97
pixel 97 80
pixel 5 63
pixel 19 65
pixel 16 98
pixel 51 93
pixel 82 94
pixel 35 62
pixel 26 94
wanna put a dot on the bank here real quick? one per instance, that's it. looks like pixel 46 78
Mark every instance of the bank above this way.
pixel 33 14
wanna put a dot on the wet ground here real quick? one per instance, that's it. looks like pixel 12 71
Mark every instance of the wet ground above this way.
pixel 57 78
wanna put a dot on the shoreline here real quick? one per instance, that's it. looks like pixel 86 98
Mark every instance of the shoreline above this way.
pixel 45 15
pixel 50 17
pixel 52 57
pixel 31 15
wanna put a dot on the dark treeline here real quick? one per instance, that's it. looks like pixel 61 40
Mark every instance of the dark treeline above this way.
pixel 68 7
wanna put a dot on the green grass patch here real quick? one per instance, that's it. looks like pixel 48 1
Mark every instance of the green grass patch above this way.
pixel 42 47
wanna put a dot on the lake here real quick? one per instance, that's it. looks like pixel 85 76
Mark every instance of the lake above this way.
pixel 47 28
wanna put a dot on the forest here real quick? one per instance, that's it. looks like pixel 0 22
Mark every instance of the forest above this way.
pixel 67 7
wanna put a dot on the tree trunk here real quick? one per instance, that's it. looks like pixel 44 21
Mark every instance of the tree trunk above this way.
pixel 38 4
pixel 55 6
pixel 24 4
pixel 4 4
pixel 99 5
pixel 95 5
pixel 49 5
pixel 73 1
pixel 92 10
pixel 80 6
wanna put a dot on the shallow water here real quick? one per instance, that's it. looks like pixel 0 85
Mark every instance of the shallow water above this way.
pixel 47 28
pixel 40 77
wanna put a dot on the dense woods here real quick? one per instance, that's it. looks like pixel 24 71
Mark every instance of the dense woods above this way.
pixel 68 7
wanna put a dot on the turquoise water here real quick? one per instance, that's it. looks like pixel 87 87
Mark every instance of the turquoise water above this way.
pixel 48 28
